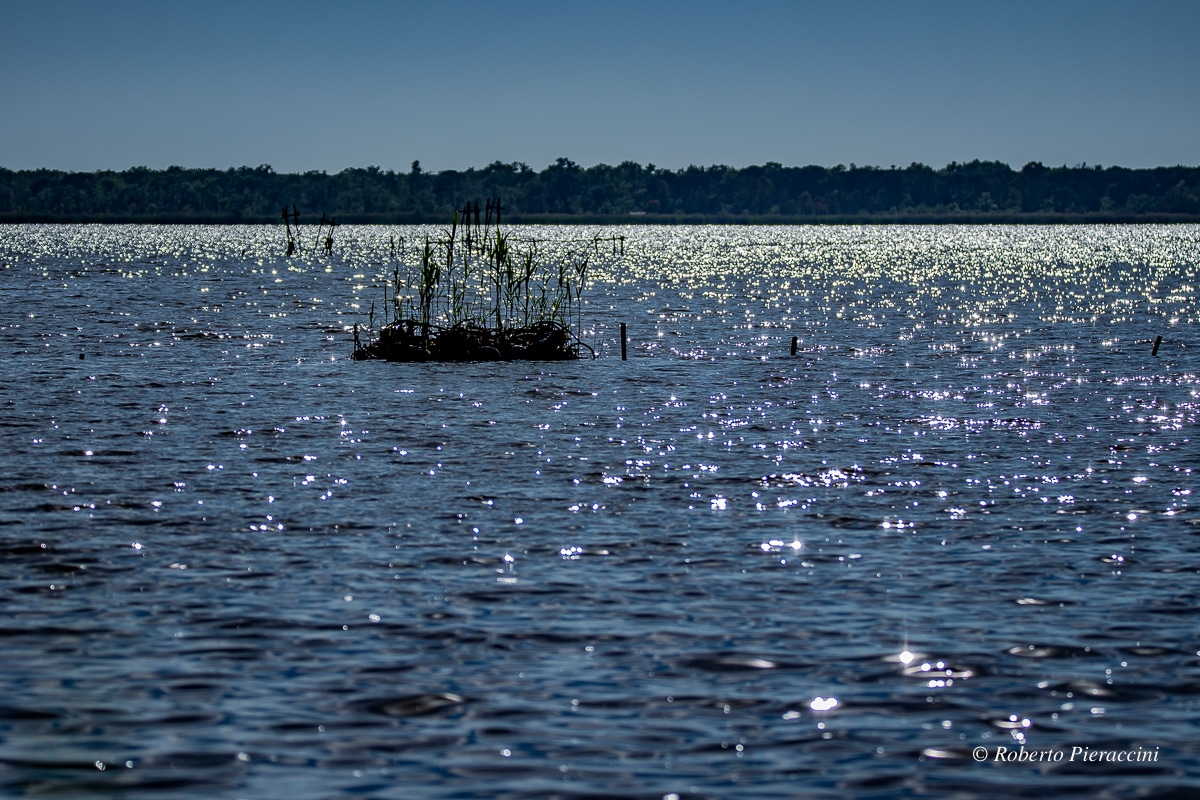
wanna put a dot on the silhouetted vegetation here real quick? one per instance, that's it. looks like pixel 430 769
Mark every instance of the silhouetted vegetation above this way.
pixel 982 191
pixel 477 294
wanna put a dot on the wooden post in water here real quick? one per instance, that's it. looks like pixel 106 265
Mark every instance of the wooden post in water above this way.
pixel 329 237
pixel 795 341
pixel 320 229
pixel 478 232
pixel 466 216
pixel 1157 342
pixel 291 248
pixel 622 341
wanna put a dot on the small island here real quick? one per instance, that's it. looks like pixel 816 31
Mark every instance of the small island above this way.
pixel 478 294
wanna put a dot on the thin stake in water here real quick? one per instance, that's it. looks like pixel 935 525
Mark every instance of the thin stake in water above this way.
pixel 293 242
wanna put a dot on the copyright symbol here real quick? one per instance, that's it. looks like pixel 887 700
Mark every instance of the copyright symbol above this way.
pixel 979 754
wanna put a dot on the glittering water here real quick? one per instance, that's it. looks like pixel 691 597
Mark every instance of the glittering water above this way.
pixel 235 563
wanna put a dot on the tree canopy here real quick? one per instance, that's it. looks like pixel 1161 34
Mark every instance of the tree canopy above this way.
pixel 565 191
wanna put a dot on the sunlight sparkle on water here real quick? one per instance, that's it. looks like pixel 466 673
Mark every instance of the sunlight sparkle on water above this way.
pixel 972 453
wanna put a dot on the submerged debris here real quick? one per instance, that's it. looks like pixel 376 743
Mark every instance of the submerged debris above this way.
pixel 408 340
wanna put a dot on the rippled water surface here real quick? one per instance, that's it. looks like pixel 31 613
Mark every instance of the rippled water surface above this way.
pixel 235 563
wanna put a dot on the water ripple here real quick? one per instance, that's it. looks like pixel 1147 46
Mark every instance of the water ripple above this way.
pixel 239 564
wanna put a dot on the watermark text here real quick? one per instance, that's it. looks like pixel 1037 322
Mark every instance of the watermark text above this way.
pixel 1078 754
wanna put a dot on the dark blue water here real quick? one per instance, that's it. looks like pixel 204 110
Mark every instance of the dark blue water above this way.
pixel 235 563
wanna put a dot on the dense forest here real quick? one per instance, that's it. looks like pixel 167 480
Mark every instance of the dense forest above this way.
pixel 979 191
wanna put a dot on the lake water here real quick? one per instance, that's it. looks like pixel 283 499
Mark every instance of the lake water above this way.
pixel 959 522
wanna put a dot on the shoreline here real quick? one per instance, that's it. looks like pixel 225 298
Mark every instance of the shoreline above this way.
pixel 914 218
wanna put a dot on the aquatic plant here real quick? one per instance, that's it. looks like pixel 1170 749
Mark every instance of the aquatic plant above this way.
pixel 479 294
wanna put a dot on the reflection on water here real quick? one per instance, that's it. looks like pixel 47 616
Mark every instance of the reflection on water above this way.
pixel 236 563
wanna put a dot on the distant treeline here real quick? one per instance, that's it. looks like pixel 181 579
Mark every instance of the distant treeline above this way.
pixel 979 191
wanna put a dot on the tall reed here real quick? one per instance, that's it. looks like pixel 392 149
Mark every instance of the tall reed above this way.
pixel 479 278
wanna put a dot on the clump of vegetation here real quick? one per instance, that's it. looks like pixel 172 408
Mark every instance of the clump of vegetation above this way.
pixel 476 294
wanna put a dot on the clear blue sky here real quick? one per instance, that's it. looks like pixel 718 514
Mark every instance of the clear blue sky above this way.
pixel 303 85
